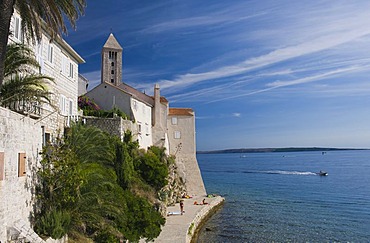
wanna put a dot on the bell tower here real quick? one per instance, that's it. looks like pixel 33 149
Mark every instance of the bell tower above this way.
pixel 111 61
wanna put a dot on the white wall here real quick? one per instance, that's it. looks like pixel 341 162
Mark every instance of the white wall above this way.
pixel 143 118
pixel 63 68
pixel 18 134
pixel 185 127
pixel 108 96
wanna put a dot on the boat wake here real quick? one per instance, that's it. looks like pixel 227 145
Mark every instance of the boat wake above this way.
pixel 276 172
pixel 283 172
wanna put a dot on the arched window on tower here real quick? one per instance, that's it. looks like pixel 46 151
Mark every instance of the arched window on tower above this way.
pixel 112 64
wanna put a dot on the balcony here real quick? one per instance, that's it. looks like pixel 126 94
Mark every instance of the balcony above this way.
pixel 32 109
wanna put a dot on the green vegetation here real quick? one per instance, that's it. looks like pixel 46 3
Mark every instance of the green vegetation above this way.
pixel 23 87
pixel 96 187
pixel 90 108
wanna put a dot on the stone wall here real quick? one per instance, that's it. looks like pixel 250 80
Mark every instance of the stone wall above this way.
pixel 201 217
pixel 115 126
pixel 189 171
pixel 20 139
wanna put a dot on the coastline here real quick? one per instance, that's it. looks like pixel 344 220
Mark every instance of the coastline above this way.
pixel 184 228
pixel 203 219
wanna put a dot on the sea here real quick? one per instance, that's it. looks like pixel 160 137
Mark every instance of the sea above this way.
pixel 279 197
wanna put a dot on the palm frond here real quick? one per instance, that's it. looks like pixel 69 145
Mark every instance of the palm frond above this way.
pixel 19 58
pixel 53 13
pixel 90 144
pixel 27 88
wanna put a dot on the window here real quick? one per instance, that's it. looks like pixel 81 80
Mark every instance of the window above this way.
pixel 2 166
pixel 112 72
pixel 17 28
pixel 112 64
pixel 50 53
pixel 21 164
pixel 174 120
pixel 139 128
pixel 64 65
pixel 45 136
pixel 112 80
pixel 71 70
pixel 177 134
pixel 63 105
pixel 70 107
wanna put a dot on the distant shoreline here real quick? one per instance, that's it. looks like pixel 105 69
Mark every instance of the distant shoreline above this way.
pixel 271 150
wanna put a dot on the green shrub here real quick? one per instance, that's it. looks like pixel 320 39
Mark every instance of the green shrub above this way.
pixel 54 223
pixel 105 237
pixel 152 170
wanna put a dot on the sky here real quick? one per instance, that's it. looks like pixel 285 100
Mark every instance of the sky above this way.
pixel 257 73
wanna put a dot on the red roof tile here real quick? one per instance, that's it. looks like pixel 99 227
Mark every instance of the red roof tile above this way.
pixel 181 112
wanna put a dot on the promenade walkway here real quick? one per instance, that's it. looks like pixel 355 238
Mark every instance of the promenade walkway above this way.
pixel 180 228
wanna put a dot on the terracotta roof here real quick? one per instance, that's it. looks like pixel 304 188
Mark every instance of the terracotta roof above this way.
pixel 181 112
pixel 163 99
pixel 112 43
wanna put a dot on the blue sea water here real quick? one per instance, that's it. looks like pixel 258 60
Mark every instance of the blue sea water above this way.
pixel 278 197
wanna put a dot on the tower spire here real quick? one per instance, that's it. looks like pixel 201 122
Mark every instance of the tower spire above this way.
pixel 111 66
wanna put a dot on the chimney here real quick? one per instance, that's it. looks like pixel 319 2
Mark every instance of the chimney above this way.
pixel 157 106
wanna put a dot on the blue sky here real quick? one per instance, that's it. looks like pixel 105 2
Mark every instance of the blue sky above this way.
pixel 257 73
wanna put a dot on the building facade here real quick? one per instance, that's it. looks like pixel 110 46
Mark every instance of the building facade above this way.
pixel 25 132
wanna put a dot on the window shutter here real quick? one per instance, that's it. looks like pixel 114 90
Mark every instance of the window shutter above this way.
pixel 2 176
pixel 21 164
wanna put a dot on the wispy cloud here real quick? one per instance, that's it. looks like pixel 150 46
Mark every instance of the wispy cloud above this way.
pixel 278 84
pixel 276 56
pixel 211 19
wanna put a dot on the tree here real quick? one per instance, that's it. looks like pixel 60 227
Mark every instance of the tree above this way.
pixel 22 84
pixel 34 13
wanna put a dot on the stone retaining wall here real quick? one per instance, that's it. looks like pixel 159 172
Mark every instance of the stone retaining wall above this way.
pixel 201 216
pixel 115 126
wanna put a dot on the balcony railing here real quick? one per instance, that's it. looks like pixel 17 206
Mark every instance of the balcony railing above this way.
pixel 33 109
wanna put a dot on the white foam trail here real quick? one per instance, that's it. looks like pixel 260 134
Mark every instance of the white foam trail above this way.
pixel 283 172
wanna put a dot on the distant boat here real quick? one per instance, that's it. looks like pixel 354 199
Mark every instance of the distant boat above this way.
pixel 322 173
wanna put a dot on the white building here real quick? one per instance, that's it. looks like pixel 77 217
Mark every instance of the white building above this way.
pixel 113 93
pixel 23 134
pixel 157 123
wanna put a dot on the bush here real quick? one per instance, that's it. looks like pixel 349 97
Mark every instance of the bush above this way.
pixel 90 108
pixel 85 103
pixel 144 221
pixel 152 170
pixel 54 223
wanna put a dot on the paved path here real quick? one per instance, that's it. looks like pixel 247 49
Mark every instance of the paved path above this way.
pixel 176 229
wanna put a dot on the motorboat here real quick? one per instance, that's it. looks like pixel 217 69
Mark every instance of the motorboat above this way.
pixel 322 173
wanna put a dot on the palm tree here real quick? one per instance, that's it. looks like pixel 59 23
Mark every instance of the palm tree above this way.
pixel 34 14
pixel 23 88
